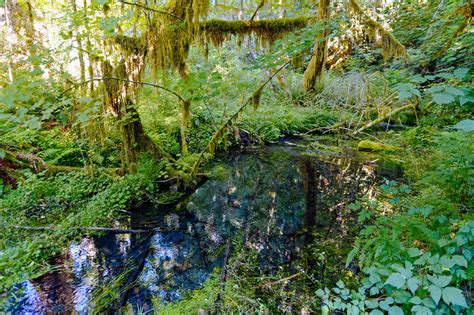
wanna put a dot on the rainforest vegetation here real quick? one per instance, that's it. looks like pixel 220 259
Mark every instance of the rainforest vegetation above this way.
pixel 113 110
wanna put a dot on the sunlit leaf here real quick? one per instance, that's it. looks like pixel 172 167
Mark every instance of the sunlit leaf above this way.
pixel 452 295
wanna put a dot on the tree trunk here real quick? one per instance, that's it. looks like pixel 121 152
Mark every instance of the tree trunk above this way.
pixel 185 108
pixel 119 99
pixel 80 49
pixel 8 9
pixel 135 140
pixel 313 76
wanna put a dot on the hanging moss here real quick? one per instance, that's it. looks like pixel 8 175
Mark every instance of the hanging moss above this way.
pixel 256 96
pixel 130 45
pixel 217 31
pixel 391 46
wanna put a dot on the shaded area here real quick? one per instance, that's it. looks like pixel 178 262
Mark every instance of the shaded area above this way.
pixel 271 201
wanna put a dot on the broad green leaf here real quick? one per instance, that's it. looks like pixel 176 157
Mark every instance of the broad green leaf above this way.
pixel 395 310
pixel 429 303
pixel 340 284
pixel 413 284
pixel 454 91
pixel 435 89
pixel 446 261
pixel 371 303
pixel 374 290
pixel 445 75
pixel 320 293
pixel 403 95
pixel 418 79
pixel 415 300
pixel 401 296
pixel 452 295
pixel 376 312
pixel 435 293
pixel 374 278
pixel 414 252
pixel 466 125
pixel 2 154
pixel 460 260
pixel 466 99
pixel 421 310
pixel 396 279
pixel 443 98
pixel 443 242
pixel 384 305
pixel 440 281
pixel 460 73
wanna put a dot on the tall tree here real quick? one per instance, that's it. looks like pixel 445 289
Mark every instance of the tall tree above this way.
pixel 313 76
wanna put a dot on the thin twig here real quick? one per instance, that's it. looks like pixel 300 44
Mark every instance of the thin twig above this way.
pixel 141 6
pixel 123 80
pixel 256 11
pixel 223 279
pixel 269 284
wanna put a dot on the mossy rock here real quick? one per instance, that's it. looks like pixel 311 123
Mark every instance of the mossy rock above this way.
pixel 367 145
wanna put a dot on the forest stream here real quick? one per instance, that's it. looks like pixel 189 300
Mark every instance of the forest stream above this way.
pixel 266 199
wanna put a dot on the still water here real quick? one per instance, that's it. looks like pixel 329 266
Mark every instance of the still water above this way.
pixel 269 199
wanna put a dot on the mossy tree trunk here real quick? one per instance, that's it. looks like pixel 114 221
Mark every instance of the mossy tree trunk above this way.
pixel 119 98
pixel 135 140
pixel 313 76
pixel 185 112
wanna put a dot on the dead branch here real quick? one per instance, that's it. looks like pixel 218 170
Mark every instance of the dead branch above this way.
pixel 224 272
pixel 141 6
pixel 84 228
pixel 215 138
pixel 256 10
pixel 37 164
pixel 383 117
pixel 269 284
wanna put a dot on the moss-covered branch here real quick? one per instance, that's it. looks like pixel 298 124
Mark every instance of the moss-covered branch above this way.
pixel 391 46
pixel 217 31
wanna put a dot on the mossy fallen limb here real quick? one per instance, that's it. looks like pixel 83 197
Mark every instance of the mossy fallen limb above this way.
pixel 367 145
pixel 384 117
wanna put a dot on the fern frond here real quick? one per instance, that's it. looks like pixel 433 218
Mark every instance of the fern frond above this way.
pixel 353 252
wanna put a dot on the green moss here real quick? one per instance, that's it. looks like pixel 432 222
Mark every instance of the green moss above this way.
pixel 131 45
pixel 217 31
pixel 367 145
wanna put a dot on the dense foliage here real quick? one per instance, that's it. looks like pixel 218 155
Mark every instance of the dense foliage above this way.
pixel 108 105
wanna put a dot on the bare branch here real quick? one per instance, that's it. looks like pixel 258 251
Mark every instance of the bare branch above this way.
pixel 256 10
pixel 141 6
pixel 127 81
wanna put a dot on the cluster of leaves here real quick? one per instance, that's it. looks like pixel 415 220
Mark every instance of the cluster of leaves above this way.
pixel 425 283
pixel 417 247
pixel 444 87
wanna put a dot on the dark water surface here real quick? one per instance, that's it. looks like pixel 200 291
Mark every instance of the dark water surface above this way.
pixel 267 198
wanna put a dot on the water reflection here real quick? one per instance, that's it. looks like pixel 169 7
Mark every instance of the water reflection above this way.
pixel 271 201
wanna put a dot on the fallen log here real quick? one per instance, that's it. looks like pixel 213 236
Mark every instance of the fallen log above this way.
pixel 85 228
pixel 37 164
pixel 383 117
